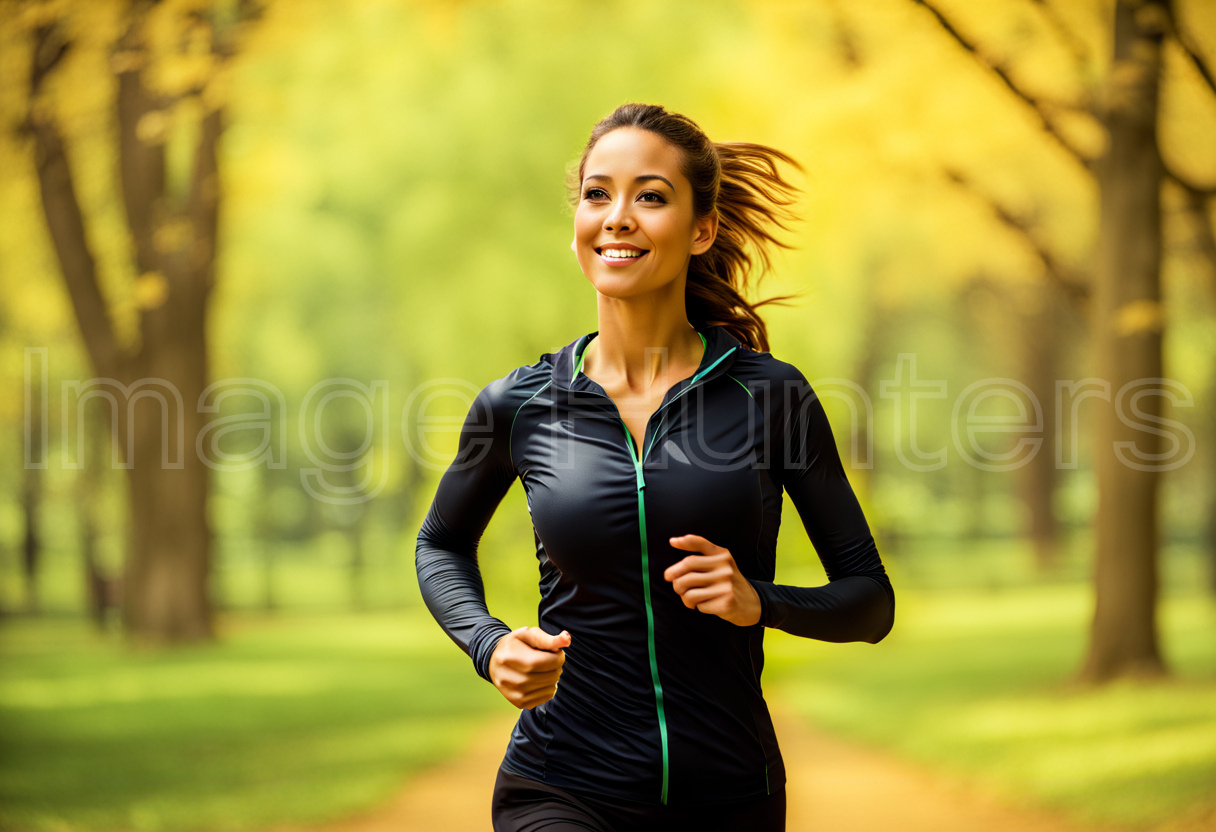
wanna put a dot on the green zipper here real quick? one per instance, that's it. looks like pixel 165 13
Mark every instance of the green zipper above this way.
pixel 654 661
pixel 641 485
pixel 692 383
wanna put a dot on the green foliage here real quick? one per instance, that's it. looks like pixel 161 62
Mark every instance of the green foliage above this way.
pixel 973 682
pixel 286 720
pixel 393 208
pixel 302 719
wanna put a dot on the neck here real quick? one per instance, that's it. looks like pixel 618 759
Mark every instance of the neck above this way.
pixel 641 344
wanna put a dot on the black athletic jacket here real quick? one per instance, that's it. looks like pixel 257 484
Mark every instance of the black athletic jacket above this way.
pixel 657 702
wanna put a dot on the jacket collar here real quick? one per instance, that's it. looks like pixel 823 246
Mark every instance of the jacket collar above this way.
pixel 721 349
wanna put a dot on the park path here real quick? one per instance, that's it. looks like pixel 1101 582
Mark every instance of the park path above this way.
pixel 834 785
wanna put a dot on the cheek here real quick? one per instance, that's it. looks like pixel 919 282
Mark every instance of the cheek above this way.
pixel 585 221
pixel 666 234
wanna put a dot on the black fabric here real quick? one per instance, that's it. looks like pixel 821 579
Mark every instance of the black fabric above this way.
pixel 687 725
pixel 523 805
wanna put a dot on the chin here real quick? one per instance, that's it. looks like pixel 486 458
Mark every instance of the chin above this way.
pixel 613 288
pixel 618 287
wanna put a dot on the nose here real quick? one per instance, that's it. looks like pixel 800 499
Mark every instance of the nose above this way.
pixel 619 218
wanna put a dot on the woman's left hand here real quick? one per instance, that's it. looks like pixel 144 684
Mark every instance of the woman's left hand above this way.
pixel 711 582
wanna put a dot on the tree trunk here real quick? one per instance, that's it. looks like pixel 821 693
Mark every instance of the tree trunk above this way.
pixel 1212 547
pixel 1041 342
pixel 96 452
pixel 1211 526
pixel 264 538
pixel 165 594
pixel 1127 333
pixel 31 544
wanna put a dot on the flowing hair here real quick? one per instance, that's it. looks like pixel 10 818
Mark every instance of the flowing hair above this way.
pixel 740 182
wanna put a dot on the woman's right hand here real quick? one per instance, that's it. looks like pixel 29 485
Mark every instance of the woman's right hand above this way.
pixel 526 664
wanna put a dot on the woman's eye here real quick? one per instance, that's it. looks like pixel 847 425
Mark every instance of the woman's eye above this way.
pixel 599 193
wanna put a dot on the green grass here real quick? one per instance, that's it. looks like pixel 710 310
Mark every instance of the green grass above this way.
pixel 975 684
pixel 304 718
pixel 291 719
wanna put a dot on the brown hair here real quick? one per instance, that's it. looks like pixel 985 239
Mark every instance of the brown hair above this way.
pixel 738 180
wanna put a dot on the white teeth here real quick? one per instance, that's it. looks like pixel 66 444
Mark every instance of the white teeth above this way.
pixel 622 254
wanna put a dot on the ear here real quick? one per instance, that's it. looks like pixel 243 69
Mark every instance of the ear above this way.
pixel 705 231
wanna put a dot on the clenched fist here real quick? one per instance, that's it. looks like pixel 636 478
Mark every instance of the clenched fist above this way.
pixel 526 664
pixel 710 581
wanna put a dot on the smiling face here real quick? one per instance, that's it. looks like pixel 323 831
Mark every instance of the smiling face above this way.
pixel 634 227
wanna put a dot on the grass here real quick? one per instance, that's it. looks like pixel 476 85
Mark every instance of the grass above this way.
pixel 307 717
pixel 976 685
pixel 291 719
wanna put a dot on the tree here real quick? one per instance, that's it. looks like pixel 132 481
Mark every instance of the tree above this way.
pixel 1126 313
pixel 169 60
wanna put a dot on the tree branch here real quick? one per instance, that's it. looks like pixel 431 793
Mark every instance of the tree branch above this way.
pixel 1197 197
pixel 1183 42
pixel 844 38
pixel 64 219
pixel 1199 191
pixel 203 206
pixel 1078 47
pixel 1075 287
pixel 1037 105
pixel 1207 239
pixel 142 126
pixel 1196 202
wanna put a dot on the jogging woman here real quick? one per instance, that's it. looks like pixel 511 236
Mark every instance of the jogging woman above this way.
pixel 653 453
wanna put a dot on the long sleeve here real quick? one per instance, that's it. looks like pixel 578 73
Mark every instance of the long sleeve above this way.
pixel 467 495
pixel 858 602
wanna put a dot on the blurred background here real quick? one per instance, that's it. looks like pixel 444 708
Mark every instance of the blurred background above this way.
pixel 300 216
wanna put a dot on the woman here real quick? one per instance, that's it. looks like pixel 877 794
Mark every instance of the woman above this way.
pixel 653 453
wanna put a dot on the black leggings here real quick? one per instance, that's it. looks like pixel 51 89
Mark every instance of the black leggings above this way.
pixel 521 804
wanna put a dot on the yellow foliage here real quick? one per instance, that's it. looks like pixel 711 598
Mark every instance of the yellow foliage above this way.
pixel 153 128
pixel 178 39
pixel 173 235
pixel 1139 316
pixel 151 290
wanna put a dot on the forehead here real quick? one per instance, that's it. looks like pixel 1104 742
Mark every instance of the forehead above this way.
pixel 627 151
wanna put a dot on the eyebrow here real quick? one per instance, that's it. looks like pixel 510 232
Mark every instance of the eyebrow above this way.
pixel 646 177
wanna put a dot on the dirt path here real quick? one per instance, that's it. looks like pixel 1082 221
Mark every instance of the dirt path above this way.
pixel 834 786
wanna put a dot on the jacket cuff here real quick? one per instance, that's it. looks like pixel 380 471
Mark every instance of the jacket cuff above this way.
pixel 762 590
pixel 481 661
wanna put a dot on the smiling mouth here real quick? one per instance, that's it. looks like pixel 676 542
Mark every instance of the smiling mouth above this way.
pixel 620 255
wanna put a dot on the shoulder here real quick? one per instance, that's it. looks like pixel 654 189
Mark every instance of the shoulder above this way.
pixel 523 381
pixel 763 369
pixel 502 397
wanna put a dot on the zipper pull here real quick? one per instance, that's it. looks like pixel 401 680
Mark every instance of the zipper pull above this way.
pixel 641 479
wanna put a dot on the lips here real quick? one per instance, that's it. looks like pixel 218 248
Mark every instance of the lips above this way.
pixel 632 253
pixel 620 261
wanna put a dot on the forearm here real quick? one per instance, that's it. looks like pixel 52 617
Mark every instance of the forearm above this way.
pixel 453 591
pixel 465 500
pixel 858 602
pixel 850 608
